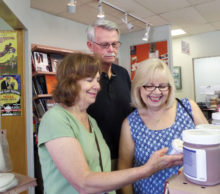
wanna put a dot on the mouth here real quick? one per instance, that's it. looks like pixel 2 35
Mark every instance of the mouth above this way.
pixel 155 99
pixel 93 94
pixel 109 55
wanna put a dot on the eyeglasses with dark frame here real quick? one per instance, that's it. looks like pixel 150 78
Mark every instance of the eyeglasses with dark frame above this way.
pixel 106 45
pixel 161 87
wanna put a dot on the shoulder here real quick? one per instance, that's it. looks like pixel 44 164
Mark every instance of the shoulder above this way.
pixel 119 69
pixel 188 101
pixel 55 112
pixel 193 104
pixel 185 102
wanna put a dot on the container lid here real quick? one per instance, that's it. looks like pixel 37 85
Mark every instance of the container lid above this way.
pixel 216 115
pixel 6 178
pixel 201 136
pixel 208 126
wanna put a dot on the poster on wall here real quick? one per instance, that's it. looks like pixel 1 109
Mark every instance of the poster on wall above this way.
pixel 185 47
pixel 10 95
pixel 8 52
pixel 139 53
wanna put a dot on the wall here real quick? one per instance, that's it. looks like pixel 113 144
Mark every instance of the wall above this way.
pixel 55 31
pixel 201 45
pixel 160 33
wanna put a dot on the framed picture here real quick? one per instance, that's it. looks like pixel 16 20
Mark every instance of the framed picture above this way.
pixel 177 77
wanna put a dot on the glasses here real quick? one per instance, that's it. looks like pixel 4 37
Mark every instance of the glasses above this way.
pixel 162 88
pixel 106 45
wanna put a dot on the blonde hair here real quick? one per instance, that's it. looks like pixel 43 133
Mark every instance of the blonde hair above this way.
pixel 145 73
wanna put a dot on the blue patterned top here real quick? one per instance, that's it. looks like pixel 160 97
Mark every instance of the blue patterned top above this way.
pixel 148 141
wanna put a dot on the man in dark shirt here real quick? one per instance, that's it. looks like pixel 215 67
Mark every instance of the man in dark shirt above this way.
pixel 112 104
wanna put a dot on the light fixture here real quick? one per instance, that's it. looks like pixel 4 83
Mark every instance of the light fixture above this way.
pixel 146 35
pixel 129 25
pixel 71 6
pixel 177 32
pixel 101 14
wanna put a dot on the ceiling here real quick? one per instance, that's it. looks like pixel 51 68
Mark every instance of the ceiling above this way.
pixel 193 16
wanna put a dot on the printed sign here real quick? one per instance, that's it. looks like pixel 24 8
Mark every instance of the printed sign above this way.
pixel 10 95
pixel 8 52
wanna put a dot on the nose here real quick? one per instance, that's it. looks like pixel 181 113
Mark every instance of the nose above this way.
pixel 96 85
pixel 156 90
pixel 110 48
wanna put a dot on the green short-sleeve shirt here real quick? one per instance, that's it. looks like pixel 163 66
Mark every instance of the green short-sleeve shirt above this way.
pixel 57 123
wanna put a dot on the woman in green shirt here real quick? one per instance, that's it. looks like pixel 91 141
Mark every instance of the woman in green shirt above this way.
pixel 73 154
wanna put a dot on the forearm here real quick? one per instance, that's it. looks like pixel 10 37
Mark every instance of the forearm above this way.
pixel 96 182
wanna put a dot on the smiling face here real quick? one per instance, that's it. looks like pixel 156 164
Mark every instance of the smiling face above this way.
pixel 103 36
pixel 157 98
pixel 89 88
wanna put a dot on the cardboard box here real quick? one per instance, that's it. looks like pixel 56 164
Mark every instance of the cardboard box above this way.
pixel 178 184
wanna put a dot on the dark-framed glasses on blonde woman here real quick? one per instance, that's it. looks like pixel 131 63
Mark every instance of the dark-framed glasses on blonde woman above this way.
pixel 161 87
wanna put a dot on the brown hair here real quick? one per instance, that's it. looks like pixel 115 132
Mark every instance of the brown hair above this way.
pixel 73 68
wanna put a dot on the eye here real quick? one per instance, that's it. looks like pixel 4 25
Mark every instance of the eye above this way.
pixel 148 87
pixel 105 44
pixel 163 86
pixel 89 79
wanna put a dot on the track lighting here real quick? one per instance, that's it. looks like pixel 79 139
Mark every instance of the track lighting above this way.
pixel 129 25
pixel 146 35
pixel 71 6
pixel 101 14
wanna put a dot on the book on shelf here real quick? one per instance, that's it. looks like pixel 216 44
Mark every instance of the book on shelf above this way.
pixel 55 60
pixel 41 62
pixel 39 107
pixel 42 81
pixel 37 85
pixel 34 91
pixel 32 64
pixel 50 83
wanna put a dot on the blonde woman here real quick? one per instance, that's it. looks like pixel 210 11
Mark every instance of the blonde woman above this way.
pixel 157 120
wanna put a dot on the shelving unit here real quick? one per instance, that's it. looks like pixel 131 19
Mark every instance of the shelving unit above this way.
pixel 42 96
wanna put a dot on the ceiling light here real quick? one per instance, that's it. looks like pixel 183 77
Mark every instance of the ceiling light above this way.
pixel 129 25
pixel 177 32
pixel 146 35
pixel 100 11
pixel 71 6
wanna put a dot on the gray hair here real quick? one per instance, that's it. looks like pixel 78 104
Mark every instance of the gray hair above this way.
pixel 105 24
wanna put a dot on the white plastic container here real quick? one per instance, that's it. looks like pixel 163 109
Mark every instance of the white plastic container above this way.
pixel 208 126
pixel 216 118
pixel 201 149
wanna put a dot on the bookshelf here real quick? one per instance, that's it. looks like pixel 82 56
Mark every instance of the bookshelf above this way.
pixel 43 83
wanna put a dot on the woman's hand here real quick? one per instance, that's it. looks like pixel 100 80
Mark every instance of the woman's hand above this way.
pixel 159 161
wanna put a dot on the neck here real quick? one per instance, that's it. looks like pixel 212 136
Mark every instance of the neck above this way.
pixel 154 111
pixel 75 109
pixel 106 67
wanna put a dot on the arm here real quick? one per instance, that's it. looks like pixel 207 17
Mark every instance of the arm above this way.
pixel 199 117
pixel 69 158
pixel 126 152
